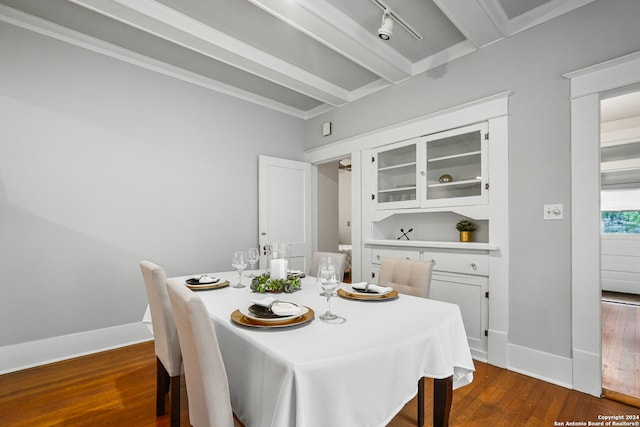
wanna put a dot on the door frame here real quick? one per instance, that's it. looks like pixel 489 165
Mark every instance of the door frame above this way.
pixel 588 86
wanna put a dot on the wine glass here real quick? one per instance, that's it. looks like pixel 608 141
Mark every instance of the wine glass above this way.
pixel 323 265
pixel 253 255
pixel 239 262
pixel 328 281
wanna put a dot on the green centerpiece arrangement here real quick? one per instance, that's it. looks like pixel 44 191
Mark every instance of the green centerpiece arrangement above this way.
pixel 466 229
pixel 264 283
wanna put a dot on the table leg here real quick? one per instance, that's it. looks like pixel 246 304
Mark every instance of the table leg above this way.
pixel 442 398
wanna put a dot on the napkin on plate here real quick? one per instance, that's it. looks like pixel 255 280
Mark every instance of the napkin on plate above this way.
pixel 362 287
pixel 280 308
pixel 205 278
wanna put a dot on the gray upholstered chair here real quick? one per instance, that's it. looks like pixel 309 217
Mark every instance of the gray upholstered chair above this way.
pixel 165 336
pixel 205 374
pixel 406 276
pixel 410 277
pixel 339 260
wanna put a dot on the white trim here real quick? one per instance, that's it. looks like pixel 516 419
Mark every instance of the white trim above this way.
pixel 605 76
pixel 544 366
pixel 166 23
pixel 471 112
pixel 472 20
pixel 66 35
pixel 34 353
pixel 587 87
pixel 533 17
pixel 456 51
pixel 498 339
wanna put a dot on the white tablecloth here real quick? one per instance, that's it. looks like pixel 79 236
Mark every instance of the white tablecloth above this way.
pixel 360 373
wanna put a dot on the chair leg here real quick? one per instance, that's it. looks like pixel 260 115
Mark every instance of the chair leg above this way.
pixel 421 402
pixel 175 401
pixel 162 377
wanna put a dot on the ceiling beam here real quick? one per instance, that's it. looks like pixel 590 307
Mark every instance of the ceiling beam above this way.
pixel 331 27
pixel 472 21
pixel 161 21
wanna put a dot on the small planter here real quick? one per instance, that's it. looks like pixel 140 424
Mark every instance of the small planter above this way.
pixel 466 229
pixel 466 236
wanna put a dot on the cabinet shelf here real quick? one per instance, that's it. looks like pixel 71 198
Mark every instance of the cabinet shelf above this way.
pixel 400 166
pixel 455 156
pixel 397 190
pixel 466 182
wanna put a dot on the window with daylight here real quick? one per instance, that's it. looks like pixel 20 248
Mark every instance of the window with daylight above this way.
pixel 620 211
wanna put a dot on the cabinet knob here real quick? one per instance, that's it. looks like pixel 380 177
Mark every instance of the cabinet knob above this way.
pixel 422 173
pixel 474 266
pixel 377 256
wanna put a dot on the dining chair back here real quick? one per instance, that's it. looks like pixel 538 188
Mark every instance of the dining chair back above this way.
pixel 205 374
pixel 165 336
pixel 406 276
pixel 339 260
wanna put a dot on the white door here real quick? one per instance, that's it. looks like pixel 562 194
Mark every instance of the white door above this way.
pixel 284 207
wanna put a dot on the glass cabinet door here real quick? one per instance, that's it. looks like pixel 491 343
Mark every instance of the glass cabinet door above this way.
pixel 456 169
pixel 396 176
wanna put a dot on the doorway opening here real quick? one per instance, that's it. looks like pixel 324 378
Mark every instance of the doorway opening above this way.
pixel 620 244
pixel 334 209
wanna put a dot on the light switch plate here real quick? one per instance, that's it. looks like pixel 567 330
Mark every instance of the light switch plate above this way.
pixel 553 211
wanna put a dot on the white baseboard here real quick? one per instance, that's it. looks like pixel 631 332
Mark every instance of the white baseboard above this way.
pixel 587 372
pixel 498 348
pixel 35 353
pixel 543 366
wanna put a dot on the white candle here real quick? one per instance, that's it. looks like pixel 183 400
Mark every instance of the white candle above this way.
pixel 278 269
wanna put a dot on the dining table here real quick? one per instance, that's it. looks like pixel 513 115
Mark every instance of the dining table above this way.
pixel 316 374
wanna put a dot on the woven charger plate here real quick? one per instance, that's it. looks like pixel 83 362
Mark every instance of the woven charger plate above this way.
pixel 204 286
pixel 368 297
pixel 239 318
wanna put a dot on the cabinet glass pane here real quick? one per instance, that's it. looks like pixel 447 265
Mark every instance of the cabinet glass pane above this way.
pixel 397 174
pixel 398 156
pixel 454 166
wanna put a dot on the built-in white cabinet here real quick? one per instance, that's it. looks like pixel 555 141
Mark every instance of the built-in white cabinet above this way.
pixel 416 184
pixel 459 277
pixel 442 169
pixel 471 294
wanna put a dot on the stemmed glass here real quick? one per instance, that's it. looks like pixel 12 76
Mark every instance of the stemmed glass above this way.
pixel 326 263
pixel 328 281
pixel 253 255
pixel 239 262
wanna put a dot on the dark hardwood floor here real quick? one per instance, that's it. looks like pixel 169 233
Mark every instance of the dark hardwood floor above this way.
pixel 117 388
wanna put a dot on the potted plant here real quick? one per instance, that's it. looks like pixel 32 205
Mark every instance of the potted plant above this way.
pixel 466 229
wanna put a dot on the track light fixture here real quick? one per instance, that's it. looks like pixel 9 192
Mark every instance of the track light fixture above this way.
pixel 386 29
pixel 388 17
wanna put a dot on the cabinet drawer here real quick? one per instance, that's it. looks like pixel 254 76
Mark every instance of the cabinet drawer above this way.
pixel 378 253
pixel 467 263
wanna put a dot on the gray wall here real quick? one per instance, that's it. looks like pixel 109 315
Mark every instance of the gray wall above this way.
pixel 103 164
pixel 530 64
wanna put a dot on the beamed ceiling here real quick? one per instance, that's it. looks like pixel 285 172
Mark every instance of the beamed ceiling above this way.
pixel 300 57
